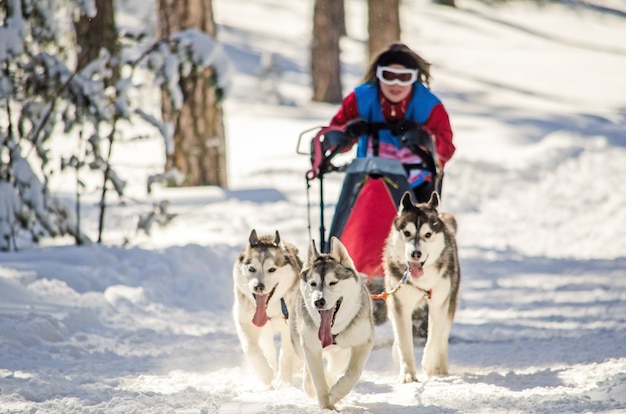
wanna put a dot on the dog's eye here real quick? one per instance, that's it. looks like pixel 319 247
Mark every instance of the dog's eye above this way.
pixel 427 235
pixel 333 283
pixel 251 269
pixel 312 284
pixel 407 233
pixel 271 270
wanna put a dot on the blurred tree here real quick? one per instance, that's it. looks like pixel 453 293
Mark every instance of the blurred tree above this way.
pixel 199 152
pixel 340 15
pixel 95 33
pixel 383 24
pixel 446 3
pixel 325 63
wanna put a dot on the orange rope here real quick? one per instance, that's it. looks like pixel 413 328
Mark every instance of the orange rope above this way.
pixel 382 295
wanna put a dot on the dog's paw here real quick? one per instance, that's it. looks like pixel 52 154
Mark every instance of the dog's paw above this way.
pixel 408 373
pixel 266 377
pixel 407 377
pixel 328 406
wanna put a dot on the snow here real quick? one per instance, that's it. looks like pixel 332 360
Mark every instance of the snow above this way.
pixel 142 323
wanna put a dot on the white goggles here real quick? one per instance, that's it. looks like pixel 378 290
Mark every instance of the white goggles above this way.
pixel 389 75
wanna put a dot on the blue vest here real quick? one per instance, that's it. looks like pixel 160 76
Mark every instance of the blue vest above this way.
pixel 368 104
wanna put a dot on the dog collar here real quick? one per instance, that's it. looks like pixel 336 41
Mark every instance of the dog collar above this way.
pixel 405 279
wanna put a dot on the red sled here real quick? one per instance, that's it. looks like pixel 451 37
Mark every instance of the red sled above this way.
pixel 367 205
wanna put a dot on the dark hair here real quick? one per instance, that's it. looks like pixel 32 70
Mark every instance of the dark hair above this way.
pixel 401 54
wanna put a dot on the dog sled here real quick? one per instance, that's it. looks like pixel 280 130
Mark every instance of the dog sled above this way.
pixel 370 195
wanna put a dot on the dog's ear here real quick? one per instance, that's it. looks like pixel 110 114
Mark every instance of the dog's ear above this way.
pixel 434 200
pixel 313 253
pixel 406 202
pixel 277 242
pixel 339 253
pixel 253 240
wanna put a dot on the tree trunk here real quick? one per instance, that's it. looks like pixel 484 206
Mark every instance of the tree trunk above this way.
pixel 325 63
pixel 95 33
pixel 383 25
pixel 199 141
pixel 340 15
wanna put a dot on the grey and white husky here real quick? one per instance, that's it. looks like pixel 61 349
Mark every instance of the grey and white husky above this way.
pixel 332 321
pixel 265 278
pixel 421 267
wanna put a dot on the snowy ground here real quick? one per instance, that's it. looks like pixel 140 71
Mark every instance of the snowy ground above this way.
pixel 537 100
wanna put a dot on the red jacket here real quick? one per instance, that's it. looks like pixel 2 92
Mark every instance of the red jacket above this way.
pixel 438 124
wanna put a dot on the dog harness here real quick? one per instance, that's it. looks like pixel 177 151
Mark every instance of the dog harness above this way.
pixel 405 279
pixel 283 308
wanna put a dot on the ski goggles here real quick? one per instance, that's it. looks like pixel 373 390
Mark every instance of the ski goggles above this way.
pixel 402 77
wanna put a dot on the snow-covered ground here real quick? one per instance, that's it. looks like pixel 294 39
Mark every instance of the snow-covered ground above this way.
pixel 537 98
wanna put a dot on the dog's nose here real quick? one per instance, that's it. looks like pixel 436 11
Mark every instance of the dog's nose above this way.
pixel 320 303
pixel 259 288
pixel 416 254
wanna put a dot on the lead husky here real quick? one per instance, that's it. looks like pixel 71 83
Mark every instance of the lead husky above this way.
pixel 332 320
pixel 265 278
pixel 421 267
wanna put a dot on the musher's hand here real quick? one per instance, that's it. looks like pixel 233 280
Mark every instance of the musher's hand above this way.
pixel 417 137
pixel 357 127
pixel 336 139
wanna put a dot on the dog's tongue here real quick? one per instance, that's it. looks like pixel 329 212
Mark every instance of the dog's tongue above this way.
pixel 416 270
pixel 260 315
pixel 324 334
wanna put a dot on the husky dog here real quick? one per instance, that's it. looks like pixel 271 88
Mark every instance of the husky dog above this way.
pixel 332 320
pixel 265 278
pixel 421 266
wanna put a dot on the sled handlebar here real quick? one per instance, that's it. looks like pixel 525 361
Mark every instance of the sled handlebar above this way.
pixel 302 134
pixel 373 126
pixel 397 127
pixel 321 156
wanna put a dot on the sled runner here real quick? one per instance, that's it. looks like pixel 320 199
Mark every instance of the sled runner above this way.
pixel 371 192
